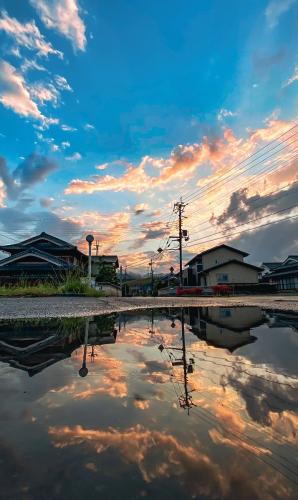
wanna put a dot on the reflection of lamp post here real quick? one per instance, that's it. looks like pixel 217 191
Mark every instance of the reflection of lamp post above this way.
pixel 89 239
pixel 83 371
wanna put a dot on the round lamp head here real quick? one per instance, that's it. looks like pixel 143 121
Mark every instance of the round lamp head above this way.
pixel 89 238
pixel 83 372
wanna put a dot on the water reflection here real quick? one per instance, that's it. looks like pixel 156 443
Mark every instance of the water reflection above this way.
pixel 184 403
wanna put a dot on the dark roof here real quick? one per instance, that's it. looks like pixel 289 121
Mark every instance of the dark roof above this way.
pixel 46 236
pixel 232 261
pixel 245 254
pixel 32 240
pixel 38 253
pixel 271 265
pixel 284 269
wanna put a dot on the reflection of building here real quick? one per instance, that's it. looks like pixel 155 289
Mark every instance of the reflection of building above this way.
pixel 224 327
pixel 282 319
pixel 33 346
pixel 220 265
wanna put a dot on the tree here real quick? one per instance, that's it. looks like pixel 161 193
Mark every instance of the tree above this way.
pixel 107 274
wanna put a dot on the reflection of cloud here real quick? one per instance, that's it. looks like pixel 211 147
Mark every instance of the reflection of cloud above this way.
pixel 110 381
pixel 263 396
pixel 237 443
pixel 156 454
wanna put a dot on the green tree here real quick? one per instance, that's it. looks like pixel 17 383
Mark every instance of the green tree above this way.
pixel 107 274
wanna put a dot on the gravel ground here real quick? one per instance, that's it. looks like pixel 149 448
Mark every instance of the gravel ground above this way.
pixel 49 307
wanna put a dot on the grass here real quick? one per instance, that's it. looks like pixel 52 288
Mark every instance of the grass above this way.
pixel 72 284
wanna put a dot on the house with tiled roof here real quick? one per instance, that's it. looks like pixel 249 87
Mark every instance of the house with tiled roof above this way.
pixel 222 264
pixel 39 258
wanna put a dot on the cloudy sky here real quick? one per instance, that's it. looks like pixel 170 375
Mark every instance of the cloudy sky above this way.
pixel 112 110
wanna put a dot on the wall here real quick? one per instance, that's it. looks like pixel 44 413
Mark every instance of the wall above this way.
pixel 109 290
pixel 219 256
pixel 240 317
pixel 236 274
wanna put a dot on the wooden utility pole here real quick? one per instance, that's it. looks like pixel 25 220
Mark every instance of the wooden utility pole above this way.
pixel 125 278
pixel 121 280
pixel 152 277
pixel 183 234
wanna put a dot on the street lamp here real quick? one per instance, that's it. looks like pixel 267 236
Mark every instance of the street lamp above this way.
pixel 89 239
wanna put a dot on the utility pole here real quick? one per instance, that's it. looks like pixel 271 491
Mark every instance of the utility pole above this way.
pixel 183 235
pixel 97 246
pixel 121 279
pixel 125 278
pixel 152 278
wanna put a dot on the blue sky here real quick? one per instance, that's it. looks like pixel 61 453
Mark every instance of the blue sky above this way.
pixel 86 84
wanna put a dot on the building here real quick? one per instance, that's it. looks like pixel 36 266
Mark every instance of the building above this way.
pixel 283 274
pixel 220 265
pixel 40 258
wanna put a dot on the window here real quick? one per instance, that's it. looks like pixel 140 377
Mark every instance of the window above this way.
pixel 225 313
pixel 222 278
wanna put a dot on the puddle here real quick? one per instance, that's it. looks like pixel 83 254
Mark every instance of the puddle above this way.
pixel 172 403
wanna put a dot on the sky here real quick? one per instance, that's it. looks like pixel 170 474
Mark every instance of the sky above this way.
pixel 110 111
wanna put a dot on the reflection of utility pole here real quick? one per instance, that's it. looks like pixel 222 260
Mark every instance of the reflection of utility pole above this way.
pixel 185 398
pixel 151 330
pixel 83 371
pixel 152 278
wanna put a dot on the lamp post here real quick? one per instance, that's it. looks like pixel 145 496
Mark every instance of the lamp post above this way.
pixel 89 239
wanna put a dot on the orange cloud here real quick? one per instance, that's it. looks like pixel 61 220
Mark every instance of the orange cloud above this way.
pixel 184 161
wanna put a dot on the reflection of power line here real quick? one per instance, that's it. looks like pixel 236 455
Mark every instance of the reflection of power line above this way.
pixel 254 375
pixel 185 397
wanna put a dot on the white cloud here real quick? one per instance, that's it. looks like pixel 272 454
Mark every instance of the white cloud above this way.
pixel 103 166
pixel 225 113
pixel 275 9
pixel 27 35
pixel 88 126
pixel 31 64
pixel 14 93
pixel 74 157
pixel 63 16
pixel 293 78
pixel 65 144
pixel 44 93
pixel 62 83
pixel 67 128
